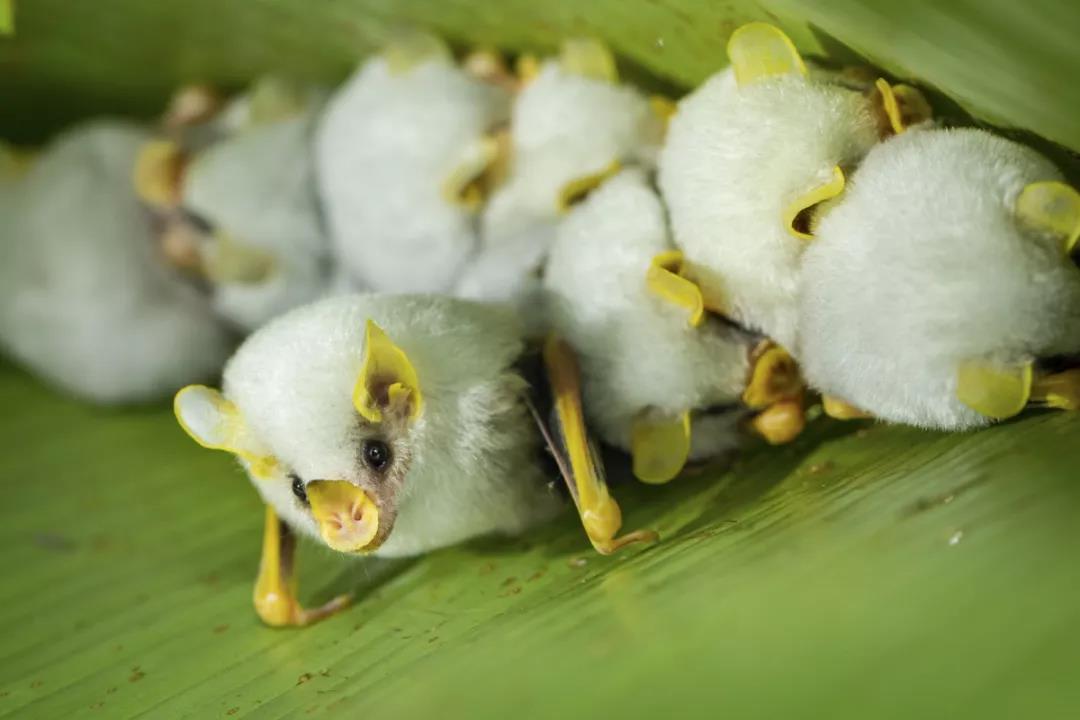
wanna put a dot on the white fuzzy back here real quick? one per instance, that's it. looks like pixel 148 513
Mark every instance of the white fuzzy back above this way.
pixel 923 266
pixel 735 157
pixel 474 447
pixel 85 298
pixel 385 146
pixel 258 185
pixel 636 351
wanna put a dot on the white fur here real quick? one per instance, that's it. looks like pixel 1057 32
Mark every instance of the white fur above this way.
pixel 473 449
pixel 735 157
pixel 923 266
pixel 564 127
pixel 85 298
pixel 385 147
pixel 637 351
pixel 258 186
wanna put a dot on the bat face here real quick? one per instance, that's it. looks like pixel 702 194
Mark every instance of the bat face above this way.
pixel 390 442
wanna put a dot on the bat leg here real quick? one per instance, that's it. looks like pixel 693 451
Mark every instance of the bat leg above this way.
pixel 578 460
pixel 275 588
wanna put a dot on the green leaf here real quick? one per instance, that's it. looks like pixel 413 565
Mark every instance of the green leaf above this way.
pixel 864 572
pixel 7 17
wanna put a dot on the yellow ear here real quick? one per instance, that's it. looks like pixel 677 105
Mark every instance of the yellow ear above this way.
pixel 1053 208
pixel 758 50
pixel 663 279
pixel 482 168
pixel 995 391
pixel 387 378
pixel 410 48
pixel 589 58
pixel 659 447
pixel 904 106
pixel 578 189
pixel 216 423
pixel 795 219
pixel 157 173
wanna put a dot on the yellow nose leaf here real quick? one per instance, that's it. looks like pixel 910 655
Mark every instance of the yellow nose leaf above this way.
pixel 482 168
pixel 891 107
pixel 775 377
pixel 1052 208
pixel 348 519
pixel 659 446
pixel 798 214
pixel 578 189
pixel 664 281
pixel 589 58
pixel 758 50
pixel 995 391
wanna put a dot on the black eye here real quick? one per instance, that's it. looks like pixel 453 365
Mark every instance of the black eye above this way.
pixel 376 454
pixel 298 488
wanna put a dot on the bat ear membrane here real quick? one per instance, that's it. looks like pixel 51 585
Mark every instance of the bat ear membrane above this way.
pixel 387 381
pixel 575 191
pixel 799 215
pixel 996 391
pixel 216 423
pixel 660 446
pixel 482 168
pixel 664 279
pixel 758 50
pixel 902 106
pixel 1051 208
pixel 590 58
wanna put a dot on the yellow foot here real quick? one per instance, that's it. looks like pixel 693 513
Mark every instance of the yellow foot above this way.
pixel 577 459
pixel 1060 390
pixel 781 422
pixel 275 589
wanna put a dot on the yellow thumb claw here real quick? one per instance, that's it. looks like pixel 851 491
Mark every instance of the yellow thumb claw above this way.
pixel 578 189
pixel 387 378
pixel 660 447
pixel 798 215
pixel 758 50
pixel 157 173
pixel 1053 208
pixel 992 390
pixel 588 57
pixel 409 49
pixel 664 281
pixel 839 409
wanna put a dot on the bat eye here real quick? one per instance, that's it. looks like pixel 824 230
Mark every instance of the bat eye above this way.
pixel 298 488
pixel 376 454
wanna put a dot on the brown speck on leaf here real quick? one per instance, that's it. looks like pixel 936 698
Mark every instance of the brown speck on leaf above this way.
pixel 232 711
pixel 3 693
pixel 433 639
pixel 304 677
pixel 98 705
pixel 537 575
pixel 509 581
pixel 136 676
pixel 577 562
pixel 487 568
pixel 36 684
pixel 212 579
pixel 220 629
pixel 118 648
pixel 325 672
pixel 512 591
pixel 55 542
pixel 110 691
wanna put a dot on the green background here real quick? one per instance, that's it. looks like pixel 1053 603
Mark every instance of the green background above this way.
pixel 863 572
